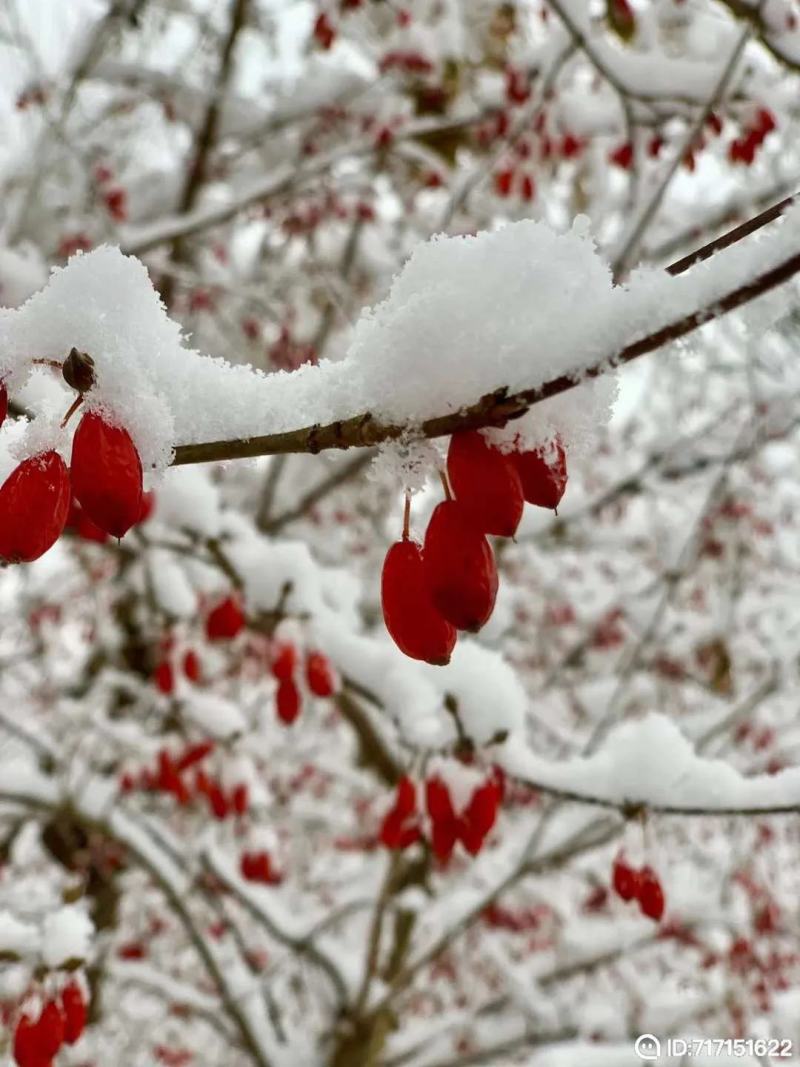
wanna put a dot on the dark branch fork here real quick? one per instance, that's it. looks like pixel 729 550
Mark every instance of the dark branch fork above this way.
pixel 499 407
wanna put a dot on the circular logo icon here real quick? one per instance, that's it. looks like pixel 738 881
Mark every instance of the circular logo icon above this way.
pixel 647 1046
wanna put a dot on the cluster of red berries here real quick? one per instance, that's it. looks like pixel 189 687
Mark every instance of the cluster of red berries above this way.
pixel 60 1022
pixel 320 679
pixel 257 867
pixel 744 148
pixel 164 674
pixel 104 479
pixel 430 592
pixel 402 824
pixel 642 885
pixel 170 776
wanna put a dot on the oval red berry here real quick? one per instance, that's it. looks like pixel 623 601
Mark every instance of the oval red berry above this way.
pixel 34 505
pixel 106 474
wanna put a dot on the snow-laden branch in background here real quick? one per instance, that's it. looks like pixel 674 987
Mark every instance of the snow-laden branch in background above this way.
pixel 649 763
pixel 474 331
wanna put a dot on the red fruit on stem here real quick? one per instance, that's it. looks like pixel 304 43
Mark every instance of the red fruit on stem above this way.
pixel 625 879
pixel 284 662
pixel 194 754
pixel 287 702
pixel 399 828
pixel 319 675
pixel 503 181
pixel 26 1043
pixel 88 530
pixel 217 801
pixel 106 474
pixel 324 32
pixel 34 505
pixel 49 1032
pixel 459 567
pixel 164 678
pixel 486 482
pixel 444 822
pixel 240 799
pixel 543 476
pixel 414 624
pixel 623 156
pixel 191 666
pixel 73 1008
pixel 480 816
pixel 650 894
pixel 226 620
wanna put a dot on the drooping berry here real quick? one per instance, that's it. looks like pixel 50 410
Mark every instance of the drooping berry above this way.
pixel 480 815
pixel 543 475
pixel 444 822
pixel 226 620
pixel 486 482
pixel 240 799
pixel 400 828
pixel 319 675
pixel 191 666
pixel 284 662
pixel 650 894
pixel 106 474
pixel 73 1008
pixel 34 505
pixel 164 677
pixel 287 701
pixel 217 801
pixel 26 1043
pixel 414 624
pixel 625 879
pixel 50 1032
pixel 460 568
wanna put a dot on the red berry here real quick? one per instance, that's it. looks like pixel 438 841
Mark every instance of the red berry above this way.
pixel 73 1007
pixel 319 675
pixel 650 894
pixel 324 31
pixel 226 620
pixel 399 828
pixel 3 402
pixel 116 201
pixel 543 476
pixel 765 121
pixel 26 1043
pixel 625 879
pixel 164 677
pixel 284 662
pixel 623 156
pixel 414 624
pixel 191 666
pixel 34 505
pixel 503 181
pixel 217 801
pixel 444 824
pixel 479 816
pixel 486 482
pixel 459 567
pixel 287 702
pixel 194 754
pixel 88 530
pixel 49 1032
pixel 528 190
pixel 106 474
pixel 240 799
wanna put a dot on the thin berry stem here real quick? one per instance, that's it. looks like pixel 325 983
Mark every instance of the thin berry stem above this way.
pixel 76 403
pixel 406 515
pixel 445 485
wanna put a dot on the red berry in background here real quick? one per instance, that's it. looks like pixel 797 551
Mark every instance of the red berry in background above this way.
pixel 287 701
pixel 650 894
pixel 324 32
pixel 26 1043
pixel 625 879
pixel 50 1032
pixel 194 754
pixel 3 402
pixel 34 505
pixel 459 567
pixel 284 662
pixel 73 1008
pixel 543 475
pixel 240 799
pixel 414 624
pixel 116 201
pixel 106 474
pixel 226 620
pixel 319 675
pixel 191 666
pixel 217 801
pixel 528 188
pixel 486 483
pixel 622 156
pixel 164 678
pixel 503 180
pixel 622 19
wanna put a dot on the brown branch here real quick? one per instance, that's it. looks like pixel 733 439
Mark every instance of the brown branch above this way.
pixel 498 408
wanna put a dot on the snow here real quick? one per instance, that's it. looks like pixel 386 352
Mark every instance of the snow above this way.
pixel 17 937
pixel 465 316
pixel 649 761
pixel 66 935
